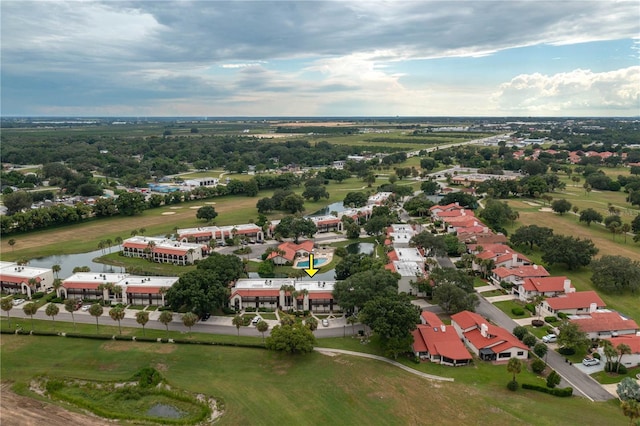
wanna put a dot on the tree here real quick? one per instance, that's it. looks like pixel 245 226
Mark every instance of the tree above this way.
pixel 355 199
pixel 142 318
pixel 292 339
pixel 207 213
pixel 117 314
pixel 573 252
pixel 70 305
pixel 355 291
pixel 30 309
pixel 17 201
pixel 628 390
pixel 165 318
pixel 616 274
pixel 315 192
pixel 312 323
pixel 590 215
pixel 622 350
pixel 56 270
pixel 531 235
pixel 497 214
pixel 572 337
pixel 393 319
pixel 238 321
pixel 95 311
pixel 265 205
pixel 52 310
pixel 189 319
pixel 262 327
pixel 376 225
pixel 291 226
pixel 354 263
pixel 514 367
pixel 610 353
pixel 540 349
pixel 561 206
pixel 292 203
pixel 631 409
pixel 625 228
pixel 434 245
pixel 453 299
pixel 430 187
pixel 6 304
pixel 11 243
pixel 131 204
pixel 553 379
pixel 199 291
pixel 457 277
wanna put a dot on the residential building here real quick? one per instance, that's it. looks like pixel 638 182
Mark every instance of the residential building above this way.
pixel 408 262
pixel 633 341
pixel 573 303
pixel 221 233
pixel 605 324
pixel 146 290
pixel 327 223
pixel 22 279
pixel 379 198
pixel 438 343
pixel 164 250
pixel 286 252
pixel 400 234
pixel 315 296
pixel 516 276
pixel 544 286
pixel 487 341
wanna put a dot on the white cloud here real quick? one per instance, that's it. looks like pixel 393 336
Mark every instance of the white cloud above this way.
pixel 576 92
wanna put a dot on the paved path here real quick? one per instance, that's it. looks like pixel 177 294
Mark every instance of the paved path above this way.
pixel 494 299
pixel 388 361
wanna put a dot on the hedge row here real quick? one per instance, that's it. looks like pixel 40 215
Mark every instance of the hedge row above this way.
pixel 564 392
pixel 134 338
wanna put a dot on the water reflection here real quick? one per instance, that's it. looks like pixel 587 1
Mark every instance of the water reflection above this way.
pixel 69 261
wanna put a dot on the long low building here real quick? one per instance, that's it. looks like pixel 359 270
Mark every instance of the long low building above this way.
pixel 220 233
pixel 163 250
pixel 274 293
pixel 21 279
pixel 117 288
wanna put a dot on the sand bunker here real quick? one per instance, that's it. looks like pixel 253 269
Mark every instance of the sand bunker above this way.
pixel 168 213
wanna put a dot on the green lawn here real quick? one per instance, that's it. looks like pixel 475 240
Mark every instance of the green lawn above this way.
pixel 608 378
pixel 507 305
pixel 262 387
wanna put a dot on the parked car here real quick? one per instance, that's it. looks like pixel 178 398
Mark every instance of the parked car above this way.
pixel 325 323
pixel 256 320
pixel 206 316
pixel 17 302
pixel 588 362
pixel 85 308
pixel 550 338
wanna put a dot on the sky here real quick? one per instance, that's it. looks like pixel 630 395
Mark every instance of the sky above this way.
pixel 320 58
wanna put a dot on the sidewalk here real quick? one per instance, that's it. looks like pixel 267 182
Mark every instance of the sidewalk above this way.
pixel 495 299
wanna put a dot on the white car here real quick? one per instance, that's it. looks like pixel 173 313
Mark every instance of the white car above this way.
pixel 256 320
pixel 588 362
pixel 17 302
pixel 85 308
pixel 325 323
pixel 550 338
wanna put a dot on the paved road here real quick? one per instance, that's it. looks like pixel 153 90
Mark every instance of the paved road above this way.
pixel 215 325
pixel 581 382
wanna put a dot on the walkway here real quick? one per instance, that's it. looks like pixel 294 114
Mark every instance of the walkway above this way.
pixel 502 298
pixel 388 361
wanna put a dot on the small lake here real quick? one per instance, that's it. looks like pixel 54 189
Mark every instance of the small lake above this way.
pixel 333 207
pixel 356 248
pixel 164 411
pixel 69 261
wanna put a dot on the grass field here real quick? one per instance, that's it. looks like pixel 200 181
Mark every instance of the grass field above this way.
pixel 262 387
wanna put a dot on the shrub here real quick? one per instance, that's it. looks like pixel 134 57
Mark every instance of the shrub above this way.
pixel 596 355
pixel 54 385
pixel 37 295
pixel 520 332
pixel 517 311
pixel 250 309
pixel 228 311
pixel 147 377
pixel 566 351
pixel 555 392
pixel 538 366
pixel 553 379
pixel 512 385
pixel 529 340
pixel 551 319
pixel 506 285
pixel 530 307
pixel 611 367
pixel 57 300
pixel 562 315
pixel 540 349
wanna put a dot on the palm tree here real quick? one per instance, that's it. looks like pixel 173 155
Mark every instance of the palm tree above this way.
pixel 141 231
pixel 262 326
pixel 166 317
pixel 142 318
pixel 162 292
pixel 117 314
pixel 52 310
pixel 238 322
pixel 312 323
pixel 101 246
pixel 622 349
pixel 189 319
pixel 6 304
pixel 30 309
pixel 109 243
pixel 57 285
pixel 631 409
pixel 134 232
pixel 118 240
pixel 514 367
pixel 56 270
pixel 625 228
pixel 95 311
pixel 352 320
pixel 12 243
pixel 70 306
pixel 33 283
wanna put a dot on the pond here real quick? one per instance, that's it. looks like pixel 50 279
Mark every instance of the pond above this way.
pixel 164 411
pixel 333 207
pixel 356 248
pixel 69 261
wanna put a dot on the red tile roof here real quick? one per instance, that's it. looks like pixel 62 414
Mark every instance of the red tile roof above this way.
pixel 633 341
pixel 392 255
pixel 579 299
pixel 466 319
pixel 442 340
pixel 143 289
pixel 431 319
pixel 174 251
pixel 604 321
pixel 129 244
pixel 290 249
pixel 498 339
pixel 523 271
pixel 509 256
pixel 545 284
pixel 324 295
pixel 17 280
pixel 495 248
pixel 446 207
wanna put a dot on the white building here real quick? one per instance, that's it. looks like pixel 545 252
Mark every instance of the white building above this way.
pixel 22 279
pixel 315 296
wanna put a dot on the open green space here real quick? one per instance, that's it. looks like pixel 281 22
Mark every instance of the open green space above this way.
pixel 506 306
pixel 259 386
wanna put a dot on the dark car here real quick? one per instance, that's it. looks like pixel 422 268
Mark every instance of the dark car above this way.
pixel 206 316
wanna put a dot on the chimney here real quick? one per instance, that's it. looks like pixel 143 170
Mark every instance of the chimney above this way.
pixel 535 266
pixel 443 328
pixel 514 259
pixel 592 307
pixel 462 213
pixel 483 330
pixel 567 286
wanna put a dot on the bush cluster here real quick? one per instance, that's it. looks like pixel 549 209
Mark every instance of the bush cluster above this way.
pixel 530 307
pixel 538 366
pixel 564 392
pixel 517 311
pixel 612 367
pixel 551 319
pixel 566 351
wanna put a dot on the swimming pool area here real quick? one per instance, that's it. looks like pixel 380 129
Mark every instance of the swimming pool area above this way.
pixel 316 262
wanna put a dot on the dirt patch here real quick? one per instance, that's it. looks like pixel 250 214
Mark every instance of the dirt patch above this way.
pixel 17 410
pixel 158 348
pixel 161 367
pixel 168 213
